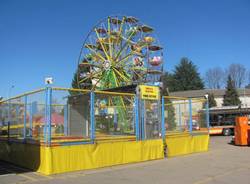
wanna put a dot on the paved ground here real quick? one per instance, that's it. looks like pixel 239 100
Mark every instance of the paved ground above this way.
pixel 224 163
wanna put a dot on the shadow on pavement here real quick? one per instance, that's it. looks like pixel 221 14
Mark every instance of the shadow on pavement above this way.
pixel 8 168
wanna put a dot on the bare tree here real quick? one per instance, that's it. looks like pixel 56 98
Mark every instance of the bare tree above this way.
pixel 238 74
pixel 248 73
pixel 214 78
pixel 248 80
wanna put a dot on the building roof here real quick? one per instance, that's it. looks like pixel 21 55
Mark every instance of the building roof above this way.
pixel 200 93
pixel 229 110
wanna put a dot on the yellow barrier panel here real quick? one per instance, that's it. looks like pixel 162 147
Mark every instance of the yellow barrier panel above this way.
pixel 30 156
pixel 59 159
pixel 72 158
pixel 184 143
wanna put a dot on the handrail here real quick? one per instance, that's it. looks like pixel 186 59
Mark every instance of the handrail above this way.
pixel 71 89
pixel 184 98
pixel 22 95
pixel 95 91
pixel 175 97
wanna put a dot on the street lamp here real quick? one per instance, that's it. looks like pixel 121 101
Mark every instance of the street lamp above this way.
pixel 207 111
pixel 10 89
pixel 48 80
pixel 206 96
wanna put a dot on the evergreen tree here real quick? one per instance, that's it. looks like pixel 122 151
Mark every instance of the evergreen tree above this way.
pixel 81 71
pixel 167 80
pixel 186 77
pixel 211 100
pixel 231 96
pixel 211 103
pixel 74 83
pixel 170 118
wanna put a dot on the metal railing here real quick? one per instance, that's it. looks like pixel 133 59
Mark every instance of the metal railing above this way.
pixel 59 116
pixel 186 114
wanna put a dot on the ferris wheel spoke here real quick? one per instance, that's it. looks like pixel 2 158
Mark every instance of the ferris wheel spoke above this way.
pixel 141 71
pixel 122 103
pixel 97 82
pixel 96 53
pixel 90 76
pixel 90 64
pixel 139 68
pixel 121 75
pixel 123 47
pixel 127 40
pixel 141 76
pixel 124 58
pixel 115 78
pixel 120 29
pixel 103 47
pixel 110 44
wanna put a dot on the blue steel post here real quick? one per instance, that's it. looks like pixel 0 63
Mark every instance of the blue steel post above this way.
pixel 137 128
pixel 25 117
pixel 179 112
pixel 31 119
pixel 47 133
pixel 9 118
pixel 163 131
pixel 66 120
pixel 92 115
pixel 190 116
pixel 17 110
pixel 115 120
pixel 207 115
pixel 46 117
pixel 49 111
pixel 142 108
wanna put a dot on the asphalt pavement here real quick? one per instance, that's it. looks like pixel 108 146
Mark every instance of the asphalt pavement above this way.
pixel 223 163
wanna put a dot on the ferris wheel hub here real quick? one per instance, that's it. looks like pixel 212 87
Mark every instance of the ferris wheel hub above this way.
pixel 107 65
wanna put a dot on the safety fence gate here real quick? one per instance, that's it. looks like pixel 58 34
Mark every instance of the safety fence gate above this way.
pixel 149 107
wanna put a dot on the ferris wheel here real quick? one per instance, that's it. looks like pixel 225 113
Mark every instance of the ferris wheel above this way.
pixel 119 51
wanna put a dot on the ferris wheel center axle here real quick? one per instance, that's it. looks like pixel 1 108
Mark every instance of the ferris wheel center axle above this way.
pixel 107 65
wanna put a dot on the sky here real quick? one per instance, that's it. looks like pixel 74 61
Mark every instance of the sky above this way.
pixel 40 38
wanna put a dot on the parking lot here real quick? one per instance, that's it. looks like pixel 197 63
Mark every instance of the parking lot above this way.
pixel 224 163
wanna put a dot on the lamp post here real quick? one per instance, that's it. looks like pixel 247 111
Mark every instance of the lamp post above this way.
pixel 10 90
pixel 207 110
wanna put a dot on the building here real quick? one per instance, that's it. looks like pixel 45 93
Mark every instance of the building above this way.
pixel 244 95
pixel 220 115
